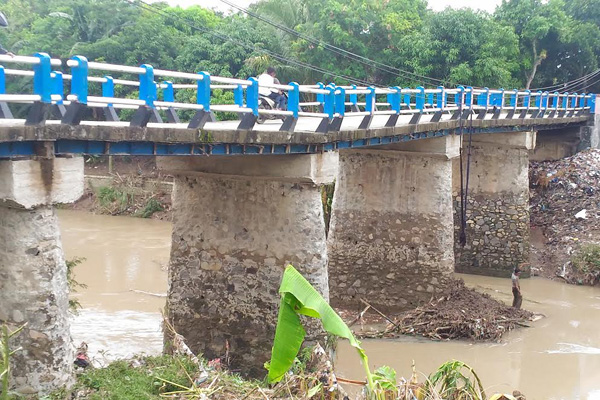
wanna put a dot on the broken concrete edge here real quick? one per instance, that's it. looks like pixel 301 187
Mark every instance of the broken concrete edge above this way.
pixel 194 136
pixel 33 183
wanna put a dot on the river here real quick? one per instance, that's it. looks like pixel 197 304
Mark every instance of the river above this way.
pixel 125 270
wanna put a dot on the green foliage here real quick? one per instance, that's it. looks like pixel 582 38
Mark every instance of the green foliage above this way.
pixel 152 206
pixel 122 381
pixel 73 284
pixel 455 380
pixel 298 297
pixel 114 200
pixel 586 260
pixel 525 41
pixel 327 192
pixel 5 353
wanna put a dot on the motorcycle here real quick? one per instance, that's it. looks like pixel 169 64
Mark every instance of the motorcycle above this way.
pixel 266 103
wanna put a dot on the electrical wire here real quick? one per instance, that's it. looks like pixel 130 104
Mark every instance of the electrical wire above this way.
pixel 582 85
pixel 338 50
pixel 565 84
pixel 145 6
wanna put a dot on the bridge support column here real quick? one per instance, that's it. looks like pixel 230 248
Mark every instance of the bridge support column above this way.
pixel 238 221
pixel 497 217
pixel 391 232
pixel 33 274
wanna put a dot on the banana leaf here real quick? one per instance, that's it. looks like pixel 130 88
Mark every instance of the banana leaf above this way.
pixel 299 297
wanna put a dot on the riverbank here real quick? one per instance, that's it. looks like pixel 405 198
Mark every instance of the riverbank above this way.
pixel 565 218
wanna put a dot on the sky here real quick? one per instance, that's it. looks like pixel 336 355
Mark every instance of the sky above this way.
pixel 486 5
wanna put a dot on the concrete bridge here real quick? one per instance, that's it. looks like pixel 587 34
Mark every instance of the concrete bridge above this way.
pixel 247 196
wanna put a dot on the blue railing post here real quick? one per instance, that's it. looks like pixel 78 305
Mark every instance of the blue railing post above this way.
pixel 395 98
pixel 441 98
pixel 238 95
pixel 555 101
pixel 527 99
pixel 459 97
pixel 147 85
pixel 294 99
pixel 430 99
pixel 2 80
pixel 42 86
pixel 42 79
pixel 353 99
pixel 370 100
pixel 469 97
pixel 4 109
pixel 593 103
pixel 79 88
pixel 565 101
pixel 514 99
pixel 58 86
pixel 320 96
pixel 252 96
pixel 203 91
pixel 574 100
pixel 168 92
pixel 406 99
pixel 340 101
pixel 79 79
pixel 108 88
pixel 329 107
pixel 420 99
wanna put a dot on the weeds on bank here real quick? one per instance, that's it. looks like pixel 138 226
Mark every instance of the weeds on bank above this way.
pixel 5 354
pixel 586 260
pixel 125 196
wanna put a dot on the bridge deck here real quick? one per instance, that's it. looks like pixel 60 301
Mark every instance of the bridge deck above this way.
pixel 97 137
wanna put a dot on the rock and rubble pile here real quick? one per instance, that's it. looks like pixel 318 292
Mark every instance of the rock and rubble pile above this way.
pixel 565 205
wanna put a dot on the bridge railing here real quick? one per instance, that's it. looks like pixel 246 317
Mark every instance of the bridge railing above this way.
pixel 93 86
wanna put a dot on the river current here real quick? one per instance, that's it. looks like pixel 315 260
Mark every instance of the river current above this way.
pixel 125 270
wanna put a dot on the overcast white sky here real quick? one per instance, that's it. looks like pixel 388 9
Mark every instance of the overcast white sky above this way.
pixel 487 5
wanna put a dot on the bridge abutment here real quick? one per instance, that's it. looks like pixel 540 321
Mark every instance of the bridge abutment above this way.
pixel 497 216
pixel 33 273
pixel 391 232
pixel 237 223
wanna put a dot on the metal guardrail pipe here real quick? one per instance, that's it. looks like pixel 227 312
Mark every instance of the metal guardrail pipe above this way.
pixel 28 60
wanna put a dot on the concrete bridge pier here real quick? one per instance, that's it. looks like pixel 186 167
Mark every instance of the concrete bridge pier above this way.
pixel 238 221
pixel 33 274
pixel 391 232
pixel 497 217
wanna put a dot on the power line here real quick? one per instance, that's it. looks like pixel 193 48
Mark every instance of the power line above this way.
pixel 345 53
pixel 150 8
pixel 565 84
pixel 583 85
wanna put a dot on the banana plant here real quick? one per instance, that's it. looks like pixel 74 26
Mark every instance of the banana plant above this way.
pixel 299 297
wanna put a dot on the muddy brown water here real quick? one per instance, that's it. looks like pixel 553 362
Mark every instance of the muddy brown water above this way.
pixel 125 270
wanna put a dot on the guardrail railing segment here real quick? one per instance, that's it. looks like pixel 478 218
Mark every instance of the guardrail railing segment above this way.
pixel 330 104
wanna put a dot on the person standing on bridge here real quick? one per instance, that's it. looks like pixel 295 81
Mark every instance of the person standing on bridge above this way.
pixel 267 78
pixel 4 24
pixel 516 289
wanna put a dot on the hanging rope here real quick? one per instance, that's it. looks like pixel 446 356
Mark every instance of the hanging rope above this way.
pixel 464 180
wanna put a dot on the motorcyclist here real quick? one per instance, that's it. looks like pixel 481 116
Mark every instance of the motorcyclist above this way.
pixel 4 23
pixel 267 78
